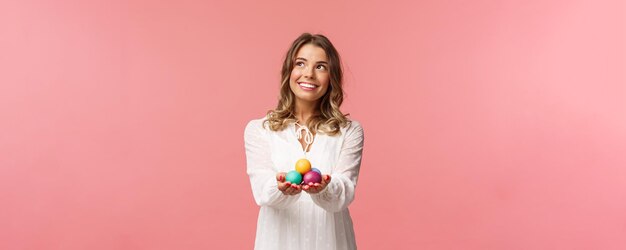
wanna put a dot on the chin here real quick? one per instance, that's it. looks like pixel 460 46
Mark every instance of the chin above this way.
pixel 308 99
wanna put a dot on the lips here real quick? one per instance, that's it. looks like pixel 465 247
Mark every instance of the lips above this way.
pixel 308 84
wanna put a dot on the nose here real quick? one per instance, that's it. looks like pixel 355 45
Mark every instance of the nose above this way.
pixel 308 73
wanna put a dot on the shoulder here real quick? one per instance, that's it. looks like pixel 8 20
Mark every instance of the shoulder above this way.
pixel 354 124
pixel 255 127
pixel 256 123
pixel 353 129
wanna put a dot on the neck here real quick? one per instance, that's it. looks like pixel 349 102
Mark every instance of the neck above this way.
pixel 304 111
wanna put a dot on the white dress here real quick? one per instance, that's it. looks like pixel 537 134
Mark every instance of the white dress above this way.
pixel 303 221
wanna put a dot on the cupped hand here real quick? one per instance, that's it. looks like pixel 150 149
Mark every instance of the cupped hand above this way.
pixel 286 187
pixel 314 188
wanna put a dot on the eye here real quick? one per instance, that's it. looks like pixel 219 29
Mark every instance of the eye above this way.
pixel 299 63
pixel 321 66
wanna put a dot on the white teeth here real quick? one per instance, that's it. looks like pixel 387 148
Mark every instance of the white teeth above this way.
pixel 308 85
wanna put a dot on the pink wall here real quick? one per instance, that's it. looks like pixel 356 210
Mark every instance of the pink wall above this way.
pixel 489 124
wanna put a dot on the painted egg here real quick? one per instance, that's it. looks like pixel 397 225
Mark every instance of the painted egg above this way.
pixel 303 166
pixel 312 176
pixel 294 177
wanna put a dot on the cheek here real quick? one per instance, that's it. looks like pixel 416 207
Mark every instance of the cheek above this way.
pixel 295 74
pixel 326 81
pixel 292 79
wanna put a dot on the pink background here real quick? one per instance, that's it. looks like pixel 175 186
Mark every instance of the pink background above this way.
pixel 489 124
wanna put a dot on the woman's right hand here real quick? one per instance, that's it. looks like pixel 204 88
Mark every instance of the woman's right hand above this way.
pixel 286 187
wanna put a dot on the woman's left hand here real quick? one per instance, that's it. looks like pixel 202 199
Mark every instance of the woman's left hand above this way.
pixel 314 188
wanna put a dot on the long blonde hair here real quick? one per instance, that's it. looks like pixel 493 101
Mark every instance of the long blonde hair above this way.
pixel 329 119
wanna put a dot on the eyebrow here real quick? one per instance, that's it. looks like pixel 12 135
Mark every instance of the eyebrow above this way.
pixel 306 60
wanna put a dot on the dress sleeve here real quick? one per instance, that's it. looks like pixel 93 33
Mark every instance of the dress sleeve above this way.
pixel 260 169
pixel 339 193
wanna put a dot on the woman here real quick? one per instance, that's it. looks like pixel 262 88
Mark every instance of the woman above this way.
pixel 307 123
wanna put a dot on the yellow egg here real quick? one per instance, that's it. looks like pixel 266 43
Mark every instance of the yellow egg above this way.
pixel 303 166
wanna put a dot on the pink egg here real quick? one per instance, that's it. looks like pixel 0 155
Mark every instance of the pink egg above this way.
pixel 312 176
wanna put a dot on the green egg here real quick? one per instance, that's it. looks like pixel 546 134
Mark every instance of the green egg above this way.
pixel 294 177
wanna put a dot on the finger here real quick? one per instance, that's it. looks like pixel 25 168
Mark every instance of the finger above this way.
pixel 282 186
pixel 326 179
pixel 293 190
pixel 317 187
pixel 285 185
pixel 323 186
pixel 305 187
pixel 280 176
pixel 312 189
pixel 288 189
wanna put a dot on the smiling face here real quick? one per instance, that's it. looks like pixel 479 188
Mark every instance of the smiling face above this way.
pixel 310 77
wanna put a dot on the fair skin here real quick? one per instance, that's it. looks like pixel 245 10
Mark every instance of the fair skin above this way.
pixel 309 81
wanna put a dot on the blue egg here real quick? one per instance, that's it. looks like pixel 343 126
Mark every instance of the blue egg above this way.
pixel 294 177
pixel 316 170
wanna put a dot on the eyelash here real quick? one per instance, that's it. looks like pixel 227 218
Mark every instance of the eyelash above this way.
pixel 298 64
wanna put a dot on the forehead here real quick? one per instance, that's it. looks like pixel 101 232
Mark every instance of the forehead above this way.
pixel 311 52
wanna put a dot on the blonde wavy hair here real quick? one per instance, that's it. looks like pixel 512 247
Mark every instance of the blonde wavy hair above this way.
pixel 329 119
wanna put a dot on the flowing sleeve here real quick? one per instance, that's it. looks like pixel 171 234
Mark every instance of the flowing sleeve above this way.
pixel 339 193
pixel 260 168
